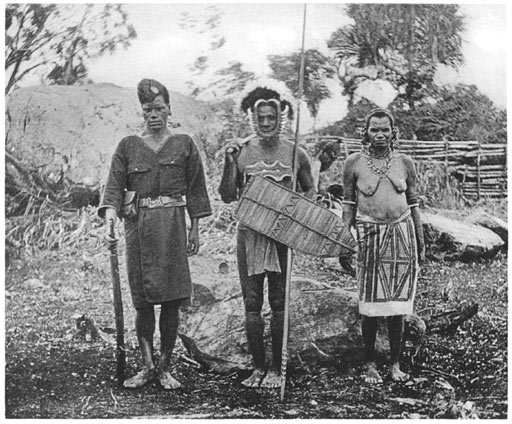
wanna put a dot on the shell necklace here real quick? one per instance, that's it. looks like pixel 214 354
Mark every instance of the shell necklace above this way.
pixel 379 170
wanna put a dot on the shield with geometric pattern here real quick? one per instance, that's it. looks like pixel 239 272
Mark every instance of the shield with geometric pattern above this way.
pixel 292 219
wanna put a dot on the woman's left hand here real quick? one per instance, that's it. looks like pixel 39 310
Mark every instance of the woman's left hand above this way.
pixel 421 253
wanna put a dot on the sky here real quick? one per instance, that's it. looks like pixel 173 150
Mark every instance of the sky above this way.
pixel 164 51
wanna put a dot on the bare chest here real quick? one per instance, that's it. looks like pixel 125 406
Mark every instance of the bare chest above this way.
pixel 375 176
pixel 275 163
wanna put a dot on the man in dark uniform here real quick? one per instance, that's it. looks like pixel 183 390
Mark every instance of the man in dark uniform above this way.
pixel 269 154
pixel 166 172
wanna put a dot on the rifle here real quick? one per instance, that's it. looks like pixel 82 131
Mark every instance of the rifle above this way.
pixel 289 262
pixel 118 307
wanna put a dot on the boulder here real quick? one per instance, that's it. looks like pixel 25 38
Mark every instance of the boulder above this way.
pixel 72 131
pixel 324 320
pixel 451 239
pixel 490 222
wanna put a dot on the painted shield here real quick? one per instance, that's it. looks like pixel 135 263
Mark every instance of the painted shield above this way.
pixel 293 220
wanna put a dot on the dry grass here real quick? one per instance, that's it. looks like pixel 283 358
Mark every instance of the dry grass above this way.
pixel 50 230
pixel 436 188
pixel 83 230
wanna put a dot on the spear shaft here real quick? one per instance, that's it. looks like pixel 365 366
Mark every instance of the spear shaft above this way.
pixel 289 261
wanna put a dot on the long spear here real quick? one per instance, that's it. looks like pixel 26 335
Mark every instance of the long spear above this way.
pixel 286 326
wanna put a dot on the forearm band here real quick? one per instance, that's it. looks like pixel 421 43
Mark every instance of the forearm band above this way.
pixel 348 202
pixel 412 200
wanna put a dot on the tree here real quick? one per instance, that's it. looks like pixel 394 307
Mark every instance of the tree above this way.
pixel 232 79
pixel 400 43
pixel 317 69
pixel 460 113
pixel 210 77
pixel 55 41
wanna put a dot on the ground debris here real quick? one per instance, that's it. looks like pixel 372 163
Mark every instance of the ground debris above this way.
pixel 50 374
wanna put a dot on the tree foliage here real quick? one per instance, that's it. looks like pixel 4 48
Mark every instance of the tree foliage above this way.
pixel 55 41
pixel 461 113
pixel 401 43
pixel 404 44
pixel 317 69
pixel 225 81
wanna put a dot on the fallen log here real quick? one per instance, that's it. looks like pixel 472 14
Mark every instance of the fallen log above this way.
pixel 448 322
pixel 445 323
pixel 206 361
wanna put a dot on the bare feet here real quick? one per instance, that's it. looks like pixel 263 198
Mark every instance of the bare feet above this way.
pixel 271 380
pixel 397 374
pixel 255 379
pixel 140 379
pixel 167 381
pixel 372 375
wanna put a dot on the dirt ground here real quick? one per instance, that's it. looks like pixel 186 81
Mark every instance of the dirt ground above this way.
pixel 51 372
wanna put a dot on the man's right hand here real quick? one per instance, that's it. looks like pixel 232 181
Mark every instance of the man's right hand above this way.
pixel 232 151
pixel 110 216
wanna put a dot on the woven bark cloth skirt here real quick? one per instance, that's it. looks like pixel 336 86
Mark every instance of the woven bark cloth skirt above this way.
pixel 387 265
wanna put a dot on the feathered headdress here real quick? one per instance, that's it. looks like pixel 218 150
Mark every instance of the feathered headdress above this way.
pixel 268 92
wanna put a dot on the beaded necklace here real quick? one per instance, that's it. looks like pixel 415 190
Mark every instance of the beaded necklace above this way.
pixel 378 170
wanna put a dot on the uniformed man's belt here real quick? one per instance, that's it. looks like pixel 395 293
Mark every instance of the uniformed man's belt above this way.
pixel 161 202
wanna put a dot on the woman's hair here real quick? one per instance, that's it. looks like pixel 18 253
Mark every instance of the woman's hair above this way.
pixel 379 113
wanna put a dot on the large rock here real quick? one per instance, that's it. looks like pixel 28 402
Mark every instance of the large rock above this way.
pixel 324 320
pixel 452 239
pixel 72 130
pixel 493 223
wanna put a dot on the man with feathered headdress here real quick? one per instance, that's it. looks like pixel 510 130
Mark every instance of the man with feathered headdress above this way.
pixel 266 153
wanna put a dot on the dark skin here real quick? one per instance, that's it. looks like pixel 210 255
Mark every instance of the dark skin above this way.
pixel 264 148
pixel 267 148
pixel 384 199
pixel 155 135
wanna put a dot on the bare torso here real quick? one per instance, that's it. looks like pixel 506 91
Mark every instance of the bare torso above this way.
pixel 382 197
pixel 268 158
pixel 273 159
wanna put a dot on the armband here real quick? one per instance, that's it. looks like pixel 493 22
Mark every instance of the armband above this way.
pixel 412 200
pixel 414 205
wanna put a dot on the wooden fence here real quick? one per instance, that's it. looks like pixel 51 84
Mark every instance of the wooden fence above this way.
pixel 480 169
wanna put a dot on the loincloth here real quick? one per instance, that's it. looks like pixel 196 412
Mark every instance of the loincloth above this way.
pixel 260 252
pixel 387 265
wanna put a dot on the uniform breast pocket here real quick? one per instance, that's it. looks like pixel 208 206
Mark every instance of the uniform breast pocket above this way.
pixel 172 172
pixel 138 177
